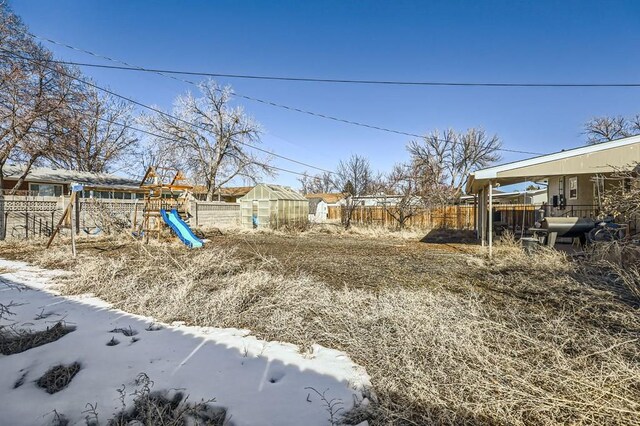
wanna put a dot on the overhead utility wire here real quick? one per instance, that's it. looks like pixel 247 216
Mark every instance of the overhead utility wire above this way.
pixel 133 101
pixel 250 98
pixel 266 102
pixel 170 139
pixel 346 81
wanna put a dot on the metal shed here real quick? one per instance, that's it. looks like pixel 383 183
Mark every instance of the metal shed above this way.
pixel 273 206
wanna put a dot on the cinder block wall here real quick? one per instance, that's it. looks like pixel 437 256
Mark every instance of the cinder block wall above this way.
pixel 214 213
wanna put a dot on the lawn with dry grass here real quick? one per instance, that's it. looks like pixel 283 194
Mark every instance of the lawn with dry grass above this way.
pixel 447 335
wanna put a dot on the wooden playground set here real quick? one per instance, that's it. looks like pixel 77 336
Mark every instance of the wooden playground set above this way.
pixel 166 205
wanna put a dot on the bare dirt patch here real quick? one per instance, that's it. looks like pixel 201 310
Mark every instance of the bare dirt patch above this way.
pixel 355 262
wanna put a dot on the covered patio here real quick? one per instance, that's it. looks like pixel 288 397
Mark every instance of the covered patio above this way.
pixel 575 179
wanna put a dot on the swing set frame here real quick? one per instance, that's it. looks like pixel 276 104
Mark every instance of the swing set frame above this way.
pixel 155 201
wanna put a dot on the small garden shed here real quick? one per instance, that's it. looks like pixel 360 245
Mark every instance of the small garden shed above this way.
pixel 273 206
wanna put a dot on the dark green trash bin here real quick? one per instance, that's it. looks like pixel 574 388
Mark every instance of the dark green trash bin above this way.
pixel 530 244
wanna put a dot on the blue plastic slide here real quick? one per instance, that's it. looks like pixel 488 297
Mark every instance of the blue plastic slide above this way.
pixel 181 229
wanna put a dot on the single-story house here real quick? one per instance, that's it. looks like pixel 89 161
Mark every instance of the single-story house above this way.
pixel 319 204
pixel 44 181
pixel 575 179
pixel 50 182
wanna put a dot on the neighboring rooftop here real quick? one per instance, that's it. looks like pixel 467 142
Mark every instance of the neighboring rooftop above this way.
pixel 327 197
pixel 63 176
pixel 235 191
pixel 229 191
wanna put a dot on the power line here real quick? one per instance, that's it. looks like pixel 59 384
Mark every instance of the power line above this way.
pixel 250 98
pixel 137 129
pixel 142 105
pixel 266 102
pixel 348 81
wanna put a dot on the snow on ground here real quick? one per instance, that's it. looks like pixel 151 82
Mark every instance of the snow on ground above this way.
pixel 258 382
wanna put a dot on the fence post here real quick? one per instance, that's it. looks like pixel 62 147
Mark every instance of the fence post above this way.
pixel 4 227
pixel 77 213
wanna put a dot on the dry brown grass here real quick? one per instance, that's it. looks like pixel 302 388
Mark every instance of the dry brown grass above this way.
pixel 366 231
pixel 616 264
pixel 324 228
pixel 16 341
pixel 163 408
pixel 58 377
pixel 513 340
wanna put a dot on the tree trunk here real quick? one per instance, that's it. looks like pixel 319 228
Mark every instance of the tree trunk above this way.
pixel 211 192
pixel 24 175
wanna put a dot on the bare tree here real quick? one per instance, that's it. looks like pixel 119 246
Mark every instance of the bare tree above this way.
pixel 163 157
pixel 49 92
pixel 356 178
pixel 97 134
pixel 404 183
pixel 623 199
pixel 318 184
pixel 35 93
pixel 19 109
pixel 603 129
pixel 213 147
pixel 445 160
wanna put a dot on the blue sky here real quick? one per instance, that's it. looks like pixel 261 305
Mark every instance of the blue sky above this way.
pixel 493 41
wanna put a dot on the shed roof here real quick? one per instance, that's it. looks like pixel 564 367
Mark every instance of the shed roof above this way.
pixel 265 191
pixel 64 176
pixel 604 157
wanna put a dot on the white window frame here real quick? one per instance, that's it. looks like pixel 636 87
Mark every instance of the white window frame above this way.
pixel 54 185
pixel 571 181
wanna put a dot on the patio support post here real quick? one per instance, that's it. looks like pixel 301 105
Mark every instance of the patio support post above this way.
pixel 482 218
pixel 475 215
pixel 490 219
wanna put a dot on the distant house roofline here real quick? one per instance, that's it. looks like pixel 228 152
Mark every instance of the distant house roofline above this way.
pixel 65 177
pixel 327 197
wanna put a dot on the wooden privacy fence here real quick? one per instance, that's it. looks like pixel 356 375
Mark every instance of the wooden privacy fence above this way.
pixel 461 217
pixel 452 217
